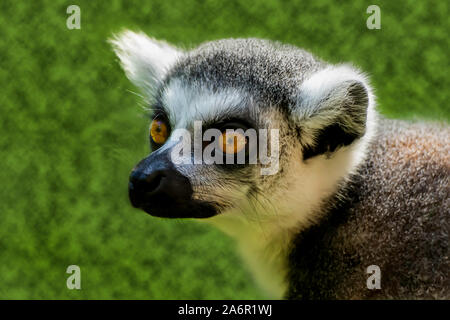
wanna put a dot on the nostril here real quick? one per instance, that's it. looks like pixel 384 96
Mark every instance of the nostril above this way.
pixel 153 182
pixel 143 183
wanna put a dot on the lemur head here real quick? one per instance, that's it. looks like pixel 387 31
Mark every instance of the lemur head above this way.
pixel 316 117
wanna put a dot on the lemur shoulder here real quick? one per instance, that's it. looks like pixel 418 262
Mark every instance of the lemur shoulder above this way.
pixel 352 189
pixel 393 213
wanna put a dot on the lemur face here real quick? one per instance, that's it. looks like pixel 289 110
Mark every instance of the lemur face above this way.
pixel 308 116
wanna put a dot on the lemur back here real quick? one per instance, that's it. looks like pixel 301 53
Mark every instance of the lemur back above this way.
pixel 394 213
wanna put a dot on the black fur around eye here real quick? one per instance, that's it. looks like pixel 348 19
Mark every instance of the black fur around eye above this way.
pixel 233 125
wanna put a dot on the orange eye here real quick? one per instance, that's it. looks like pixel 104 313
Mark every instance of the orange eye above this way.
pixel 158 131
pixel 232 142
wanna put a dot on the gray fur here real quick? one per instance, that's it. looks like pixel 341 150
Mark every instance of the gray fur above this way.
pixel 270 71
pixel 394 214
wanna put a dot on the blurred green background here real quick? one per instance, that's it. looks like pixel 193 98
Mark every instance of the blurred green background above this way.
pixel 71 130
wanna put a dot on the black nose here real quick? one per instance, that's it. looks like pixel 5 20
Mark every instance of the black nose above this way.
pixel 147 184
pixel 158 191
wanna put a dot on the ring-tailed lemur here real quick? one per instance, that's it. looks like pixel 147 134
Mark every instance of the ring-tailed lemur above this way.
pixel 346 195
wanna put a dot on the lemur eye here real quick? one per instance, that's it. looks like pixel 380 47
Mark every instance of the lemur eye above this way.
pixel 158 131
pixel 232 142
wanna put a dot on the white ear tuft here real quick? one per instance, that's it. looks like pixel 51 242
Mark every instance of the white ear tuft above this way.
pixel 327 87
pixel 144 60
pixel 334 108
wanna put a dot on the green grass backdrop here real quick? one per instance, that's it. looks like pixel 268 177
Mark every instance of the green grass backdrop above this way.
pixel 71 130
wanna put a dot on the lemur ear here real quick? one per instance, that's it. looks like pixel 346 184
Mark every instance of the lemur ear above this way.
pixel 331 110
pixel 144 60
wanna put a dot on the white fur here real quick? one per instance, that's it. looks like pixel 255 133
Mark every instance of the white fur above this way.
pixel 145 60
pixel 316 108
pixel 187 103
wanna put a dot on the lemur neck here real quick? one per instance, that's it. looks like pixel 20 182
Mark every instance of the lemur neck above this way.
pixel 264 247
pixel 265 229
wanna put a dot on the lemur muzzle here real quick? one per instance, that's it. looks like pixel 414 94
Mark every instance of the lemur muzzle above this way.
pixel 159 189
